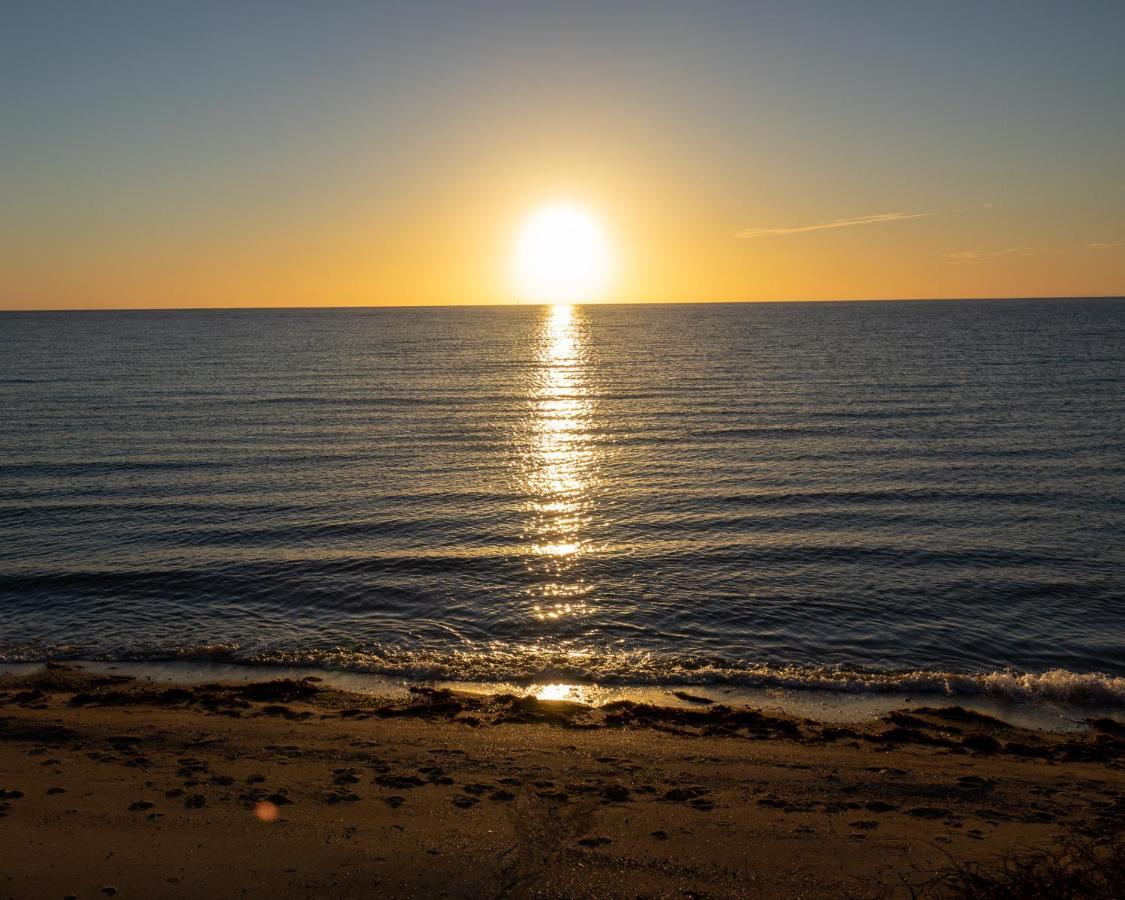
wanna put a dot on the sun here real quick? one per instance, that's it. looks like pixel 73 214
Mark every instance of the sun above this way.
pixel 562 256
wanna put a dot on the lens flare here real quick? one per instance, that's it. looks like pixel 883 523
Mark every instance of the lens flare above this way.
pixel 266 811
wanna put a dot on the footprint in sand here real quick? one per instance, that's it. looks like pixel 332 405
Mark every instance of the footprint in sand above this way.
pixel 617 793
pixel 400 782
pixel 8 795
pixel 478 788
pixel 928 812
pixel 680 795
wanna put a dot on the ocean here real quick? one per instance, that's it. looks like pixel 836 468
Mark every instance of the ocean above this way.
pixel 854 496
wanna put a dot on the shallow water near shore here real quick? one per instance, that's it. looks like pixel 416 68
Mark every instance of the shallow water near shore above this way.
pixel 858 501
pixel 829 707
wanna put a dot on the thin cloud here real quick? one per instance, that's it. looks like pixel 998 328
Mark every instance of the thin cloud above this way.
pixel 968 256
pixel 1104 245
pixel 965 209
pixel 835 223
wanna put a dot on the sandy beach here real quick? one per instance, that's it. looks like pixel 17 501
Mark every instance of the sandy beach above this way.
pixel 116 786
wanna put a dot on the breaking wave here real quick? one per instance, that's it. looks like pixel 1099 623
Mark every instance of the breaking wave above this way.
pixel 619 668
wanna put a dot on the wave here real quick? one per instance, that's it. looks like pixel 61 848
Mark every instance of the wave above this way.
pixel 524 665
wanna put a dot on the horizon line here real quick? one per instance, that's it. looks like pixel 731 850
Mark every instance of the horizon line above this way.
pixel 514 305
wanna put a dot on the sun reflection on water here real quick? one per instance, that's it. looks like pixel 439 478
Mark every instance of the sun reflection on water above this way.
pixel 559 465
pixel 572 692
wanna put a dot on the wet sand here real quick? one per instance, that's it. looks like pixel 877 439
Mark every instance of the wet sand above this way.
pixel 114 786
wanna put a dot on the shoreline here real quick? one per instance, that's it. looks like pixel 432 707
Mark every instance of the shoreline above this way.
pixel 837 705
pixel 277 786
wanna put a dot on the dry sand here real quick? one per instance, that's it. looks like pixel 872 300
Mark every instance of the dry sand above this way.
pixel 112 786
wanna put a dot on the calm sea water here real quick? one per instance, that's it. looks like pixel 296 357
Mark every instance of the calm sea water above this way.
pixel 860 494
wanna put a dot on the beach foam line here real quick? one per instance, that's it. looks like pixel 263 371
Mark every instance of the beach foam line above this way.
pixel 527 665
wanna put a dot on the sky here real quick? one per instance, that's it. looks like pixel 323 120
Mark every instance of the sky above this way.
pixel 302 154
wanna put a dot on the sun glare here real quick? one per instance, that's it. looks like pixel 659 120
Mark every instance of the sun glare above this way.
pixel 562 256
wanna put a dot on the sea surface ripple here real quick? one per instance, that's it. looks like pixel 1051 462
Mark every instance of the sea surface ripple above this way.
pixel 855 495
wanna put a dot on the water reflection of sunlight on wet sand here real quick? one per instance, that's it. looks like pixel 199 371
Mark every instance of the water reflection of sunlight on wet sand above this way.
pixel 572 692
pixel 559 465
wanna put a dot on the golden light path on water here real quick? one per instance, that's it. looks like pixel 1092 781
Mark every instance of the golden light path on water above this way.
pixel 559 465
pixel 557 471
